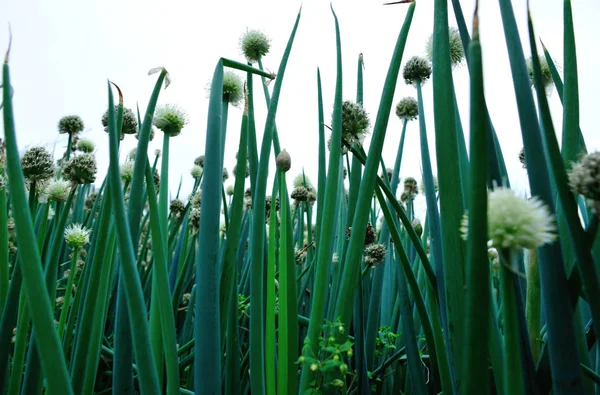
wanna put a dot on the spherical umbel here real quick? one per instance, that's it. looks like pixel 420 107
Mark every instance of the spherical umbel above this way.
pixel 457 52
pixel 254 45
pixel 584 179
pixel 81 169
pixel 130 124
pixel 70 124
pixel 407 109
pixel 546 73
pixel 416 69
pixel 355 121
pixel 170 119
pixel 233 88
pixel 37 165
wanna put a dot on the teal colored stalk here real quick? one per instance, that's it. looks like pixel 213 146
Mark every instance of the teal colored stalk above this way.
pixel 288 314
pixel 68 294
pixel 257 363
pixel 207 361
pixel 325 242
pixel 4 262
pixel 534 305
pixel 570 134
pixel 252 146
pixel 478 291
pixel 322 178
pixel 356 244
pixel 9 316
pixel 160 281
pixel 513 368
pixel 52 358
pixel 450 191
pixel 16 374
pixel 270 339
pixel 148 377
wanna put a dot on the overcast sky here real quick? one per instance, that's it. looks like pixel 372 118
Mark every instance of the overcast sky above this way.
pixel 63 52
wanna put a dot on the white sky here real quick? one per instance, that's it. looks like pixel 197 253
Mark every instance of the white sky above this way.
pixel 63 52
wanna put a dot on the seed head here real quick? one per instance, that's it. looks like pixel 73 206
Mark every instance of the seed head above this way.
pixel 156 177
pixel 196 172
pixel 196 199
pixel 457 52
pixel 177 208
pixel 411 187
pixel 407 109
pixel 254 44
pixel 522 158
pixel 233 88
pixel 229 190
pixel 546 73
pixel 70 124
pixel 137 134
pixel 199 161
pixel 130 124
pixel 89 200
pixel 300 194
pixel 37 165
pixel 514 222
pixel 370 234
pixel 86 146
pixel 170 119
pixel 194 219
pixel 416 69
pixel 57 190
pixel 81 169
pixel 127 171
pixel 355 121
pixel 377 254
pixel 416 224
pixel 283 161
pixel 225 175
pixel 584 178
pixel 77 236
pixel 132 154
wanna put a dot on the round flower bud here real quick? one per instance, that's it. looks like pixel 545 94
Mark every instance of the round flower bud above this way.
pixel 407 109
pixel 370 234
pixel 522 158
pixel 137 134
pixel 199 161
pixel 416 224
pixel 196 199
pixel 81 169
pixel 177 207
pixel 86 146
pixel 233 88
pixel 355 121
pixel 515 222
pixel 312 196
pixel 300 194
pixel 225 175
pixel 457 52
pixel 410 186
pixel 71 124
pixel 90 200
pixel 283 161
pixel 546 73
pixel 127 171
pixel 194 220
pixel 130 123
pixel 131 155
pixel 170 119
pixel 57 190
pixel 196 172
pixel 376 252
pixel 77 236
pixel 229 190
pixel 416 69
pixel 584 179
pixel 37 165
pixel 254 45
